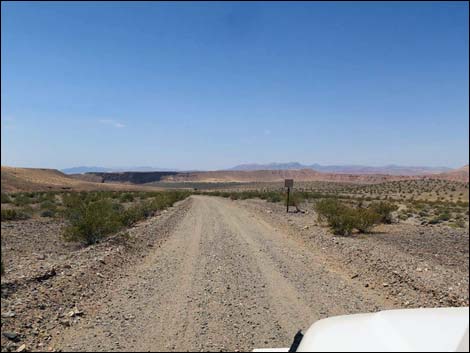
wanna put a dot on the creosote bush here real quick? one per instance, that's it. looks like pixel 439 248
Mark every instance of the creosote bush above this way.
pixel 48 208
pixel 365 219
pixel 6 198
pixel 15 214
pixel 343 219
pixel 92 216
pixel 384 209
pixel 90 222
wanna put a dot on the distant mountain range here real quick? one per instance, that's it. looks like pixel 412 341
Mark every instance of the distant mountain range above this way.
pixel 345 169
pixel 84 169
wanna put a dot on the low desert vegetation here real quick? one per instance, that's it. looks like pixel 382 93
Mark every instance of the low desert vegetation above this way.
pixel 349 213
pixel 15 214
pixel 270 196
pixel 384 211
pixel 89 216
pixel 93 216
pixel 344 219
pixel 91 221
pixel 6 198
pixel 421 201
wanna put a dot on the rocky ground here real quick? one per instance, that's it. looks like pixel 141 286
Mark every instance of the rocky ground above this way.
pixel 48 282
pixel 415 265
pixel 215 274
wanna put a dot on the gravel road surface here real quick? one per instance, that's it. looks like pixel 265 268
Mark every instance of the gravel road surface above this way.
pixel 224 280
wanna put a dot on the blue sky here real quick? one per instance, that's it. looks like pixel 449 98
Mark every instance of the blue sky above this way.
pixel 212 85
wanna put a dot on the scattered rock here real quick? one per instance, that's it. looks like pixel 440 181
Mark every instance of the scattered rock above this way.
pixel 8 314
pixel 21 348
pixel 75 312
pixel 45 276
pixel 40 256
pixel 12 336
pixel 65 322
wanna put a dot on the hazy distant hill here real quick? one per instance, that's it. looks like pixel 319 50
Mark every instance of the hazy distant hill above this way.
pixel 345 169
pixel 84 169
pixel 270 166
pixel 459 174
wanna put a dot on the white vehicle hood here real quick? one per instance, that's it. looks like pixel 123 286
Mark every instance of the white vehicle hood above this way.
pixel 432 330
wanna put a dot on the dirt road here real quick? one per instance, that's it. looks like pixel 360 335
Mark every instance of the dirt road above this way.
pixel 223 280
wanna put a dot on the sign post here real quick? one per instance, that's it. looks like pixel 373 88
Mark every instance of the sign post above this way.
pixel 288 183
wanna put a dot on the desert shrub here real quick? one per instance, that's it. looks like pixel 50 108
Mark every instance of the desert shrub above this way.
pixel 273 197
pixel 138 212
pixel 132 215
pixel 365 219
pixel 343 223
pixel 5 198
pixel 234 196
pixel 47 205
pixel 46 196
pixel 423 213
pixel 404 216
pixel 117 207
pixel 148 207
pixel 90 222
pixel 114 195
pixel 15 214
pixel 384 210
pixel 48 213
pixel 22 199
pixel 126 197
pixel 326 208
pixel 93 215
pixel 144 210
pixel 143 195
pixel 343 219
pixel 445 216
pixel 339 217
pixel 72 200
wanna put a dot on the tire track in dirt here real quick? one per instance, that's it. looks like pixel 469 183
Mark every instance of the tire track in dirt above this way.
pixel 222 281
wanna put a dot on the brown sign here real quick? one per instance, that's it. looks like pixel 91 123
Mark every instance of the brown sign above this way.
pixel 289 183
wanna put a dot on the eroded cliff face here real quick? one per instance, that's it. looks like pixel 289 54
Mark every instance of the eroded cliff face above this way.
pixel 266 176
pixel 237 176
pixel 132 177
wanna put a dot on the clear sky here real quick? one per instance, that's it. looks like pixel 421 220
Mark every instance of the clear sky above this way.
pixel 212 85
